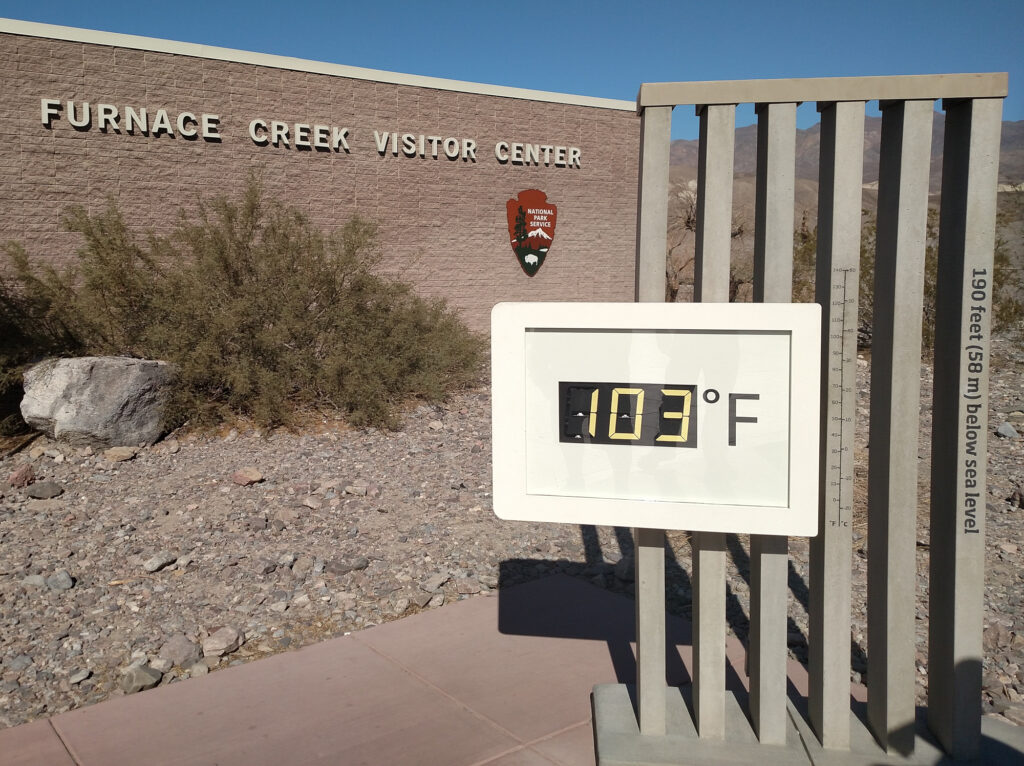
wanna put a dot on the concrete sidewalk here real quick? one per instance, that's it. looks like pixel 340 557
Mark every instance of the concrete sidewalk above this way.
pixel 504 681
pixel 500 680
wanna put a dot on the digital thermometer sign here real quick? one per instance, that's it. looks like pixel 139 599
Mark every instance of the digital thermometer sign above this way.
pixel 676 416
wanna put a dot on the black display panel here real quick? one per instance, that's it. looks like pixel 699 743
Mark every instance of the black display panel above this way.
pixel 639 414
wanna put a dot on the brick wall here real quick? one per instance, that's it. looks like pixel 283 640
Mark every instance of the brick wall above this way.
pixel 443 221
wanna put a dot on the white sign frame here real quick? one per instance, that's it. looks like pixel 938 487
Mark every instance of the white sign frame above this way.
pixel 793 512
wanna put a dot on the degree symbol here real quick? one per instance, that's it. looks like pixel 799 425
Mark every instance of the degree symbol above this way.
pixel 711 396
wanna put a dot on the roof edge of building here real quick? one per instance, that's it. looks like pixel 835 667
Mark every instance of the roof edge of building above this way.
pixel 157 45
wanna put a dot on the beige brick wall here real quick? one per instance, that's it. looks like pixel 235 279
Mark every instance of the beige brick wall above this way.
pixel 443 222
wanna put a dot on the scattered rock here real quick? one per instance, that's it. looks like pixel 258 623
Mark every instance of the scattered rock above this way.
pixel 78 676
pixel 60 580
pixel 22 476
pixel 160 560
pixel 138 678
pixel 302 567
pixel 1007 431
pixel 340 567
pixel 247 476
pixel 171 446
pixel 34 581
pixel 435 582
pixel 19 663
pixel 44 490
pixel 265 566
pixel 286 559
pixel 223 641
pixel 288 516
pixel 400 606
pixel 120 454
pixel 179 650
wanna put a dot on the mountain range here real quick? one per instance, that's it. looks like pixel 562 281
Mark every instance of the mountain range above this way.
pixel 683 184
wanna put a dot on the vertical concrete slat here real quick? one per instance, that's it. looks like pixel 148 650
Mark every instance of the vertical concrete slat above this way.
pixel 711 284
pixel 837 277
pixel 773 283
pixel 714 203
pixel 895 401
pixel 773 209
pixel 959 424
pixel 708 560
pixel 649 564
pixel 649 561
pixel 652 204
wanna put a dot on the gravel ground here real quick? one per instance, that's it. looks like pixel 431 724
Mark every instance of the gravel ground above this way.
pixel 128 570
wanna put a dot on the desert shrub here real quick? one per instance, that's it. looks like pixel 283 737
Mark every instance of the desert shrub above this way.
pixel 29 331
pixel 262 313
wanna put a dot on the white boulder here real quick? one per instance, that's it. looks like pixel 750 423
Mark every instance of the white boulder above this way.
pixel 98 400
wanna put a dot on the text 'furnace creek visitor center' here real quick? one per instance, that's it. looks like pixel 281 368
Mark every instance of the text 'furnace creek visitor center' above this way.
pixel 439 165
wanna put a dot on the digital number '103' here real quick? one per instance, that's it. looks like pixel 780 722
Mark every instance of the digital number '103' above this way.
pixel 645 414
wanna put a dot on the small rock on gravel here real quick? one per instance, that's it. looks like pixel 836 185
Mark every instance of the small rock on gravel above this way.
pixel 19 663
pixel 159 561
pixel 138 678
pixel 344 566
pixel 180 650
pixel 434 582
pixel 247 476
pixel 34 581
pixel 78 676
pixel 223 641
pixel 22 476
pixel 60 580
pixel 44 490
pixel 1007 431
pixel 120 454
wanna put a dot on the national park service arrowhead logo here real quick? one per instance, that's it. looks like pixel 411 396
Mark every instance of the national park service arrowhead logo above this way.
pixel 531 225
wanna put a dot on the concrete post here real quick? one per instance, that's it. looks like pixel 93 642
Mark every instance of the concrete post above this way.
pixel 652 204
pixel 773 211
pixel 714 203
pixel 708 561
pixel 836 286
pixel 895 399
pixel 960 423
pixel 711 284
pixel 773 282
pixel 649 561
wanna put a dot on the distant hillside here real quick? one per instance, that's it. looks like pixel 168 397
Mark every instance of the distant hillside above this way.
pixel 683 154
pixel 683 185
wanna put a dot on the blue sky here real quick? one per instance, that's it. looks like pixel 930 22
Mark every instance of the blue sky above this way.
pixel 595 48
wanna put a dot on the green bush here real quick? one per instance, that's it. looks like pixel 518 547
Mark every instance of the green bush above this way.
pixel 29 331
pixel 263 314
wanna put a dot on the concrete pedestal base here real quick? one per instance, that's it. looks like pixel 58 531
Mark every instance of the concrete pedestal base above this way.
pixel 618 742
